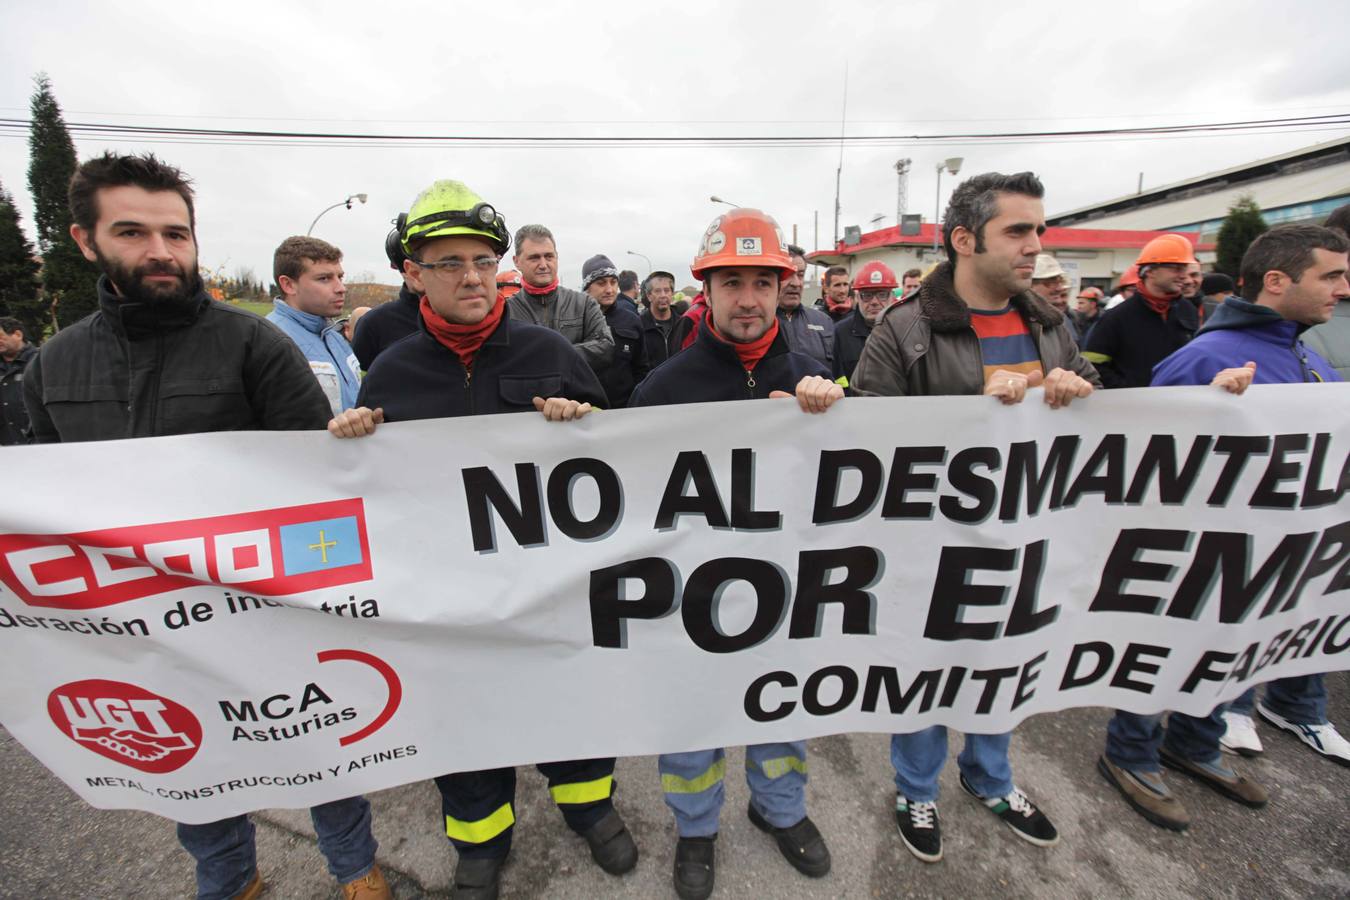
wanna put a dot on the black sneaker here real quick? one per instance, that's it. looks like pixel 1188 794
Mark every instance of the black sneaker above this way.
pixel 800 844
pixel 919 828
pixel 694 867
pixel 1019 814
pixel 612 846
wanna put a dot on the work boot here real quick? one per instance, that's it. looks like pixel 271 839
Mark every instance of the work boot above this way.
pixel 612 846
pixel 478 878
pixel 1217 776
pixel 694 867
pixel 253 890
pixel 1147 793
pixel 370 886
pixel 800 844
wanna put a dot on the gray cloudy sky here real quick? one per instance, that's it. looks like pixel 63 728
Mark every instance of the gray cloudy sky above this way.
pixel 659 68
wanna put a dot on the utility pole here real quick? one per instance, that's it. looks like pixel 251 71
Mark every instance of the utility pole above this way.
pixel 839 172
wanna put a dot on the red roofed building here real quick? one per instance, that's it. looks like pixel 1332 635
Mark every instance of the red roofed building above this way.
pixel 1093 257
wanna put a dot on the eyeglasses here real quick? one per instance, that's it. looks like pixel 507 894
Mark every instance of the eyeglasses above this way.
pixel 454 267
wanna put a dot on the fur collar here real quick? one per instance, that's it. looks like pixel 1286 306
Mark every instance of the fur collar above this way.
pixel 947 312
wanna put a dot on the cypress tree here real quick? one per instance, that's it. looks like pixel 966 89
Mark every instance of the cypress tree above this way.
pixel 18 271
pixel 1241 226
pixel 67 277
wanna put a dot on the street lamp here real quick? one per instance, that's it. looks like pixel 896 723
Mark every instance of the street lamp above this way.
pixel 644 256
pixel 716 199
pixel 347 203
pixel 952 166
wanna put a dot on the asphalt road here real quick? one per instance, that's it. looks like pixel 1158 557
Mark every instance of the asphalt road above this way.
pixel 53 845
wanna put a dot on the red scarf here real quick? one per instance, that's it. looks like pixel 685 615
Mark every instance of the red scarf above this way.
pixel 464 340
pixel 835 306
pixel 539 291
pixel 1159 305
pixel 752 352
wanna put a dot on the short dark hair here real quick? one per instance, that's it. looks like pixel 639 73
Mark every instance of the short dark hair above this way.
pixel 975 202
pixel 144 171
pixel 628 280
pixel 1339 219
pixel 794 250
pixel 912 273
pixel 1288 249
pixel 9 325
pixel 534 233
pixel 664 276
pixel 294 253
pixel 831 272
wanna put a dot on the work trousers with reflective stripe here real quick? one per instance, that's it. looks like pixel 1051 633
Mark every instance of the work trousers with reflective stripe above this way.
pixel 479 806
pixel 693 786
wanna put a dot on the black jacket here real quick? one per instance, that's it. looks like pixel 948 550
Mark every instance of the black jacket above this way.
pixel 709 370
pixel 660 345
pixel 144 369
pixel 385 325
pixel 420 378
pixel 630 364
pixel 1130 339
pixel 13 414
pixel 849 337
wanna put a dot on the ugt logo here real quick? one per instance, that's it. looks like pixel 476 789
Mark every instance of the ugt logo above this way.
pixel 273 552
pixel 127 724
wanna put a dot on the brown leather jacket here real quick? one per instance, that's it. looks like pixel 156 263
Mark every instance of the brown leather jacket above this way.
pixel 926 346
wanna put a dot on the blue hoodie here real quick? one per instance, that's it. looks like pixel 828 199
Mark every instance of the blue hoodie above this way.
pixel 330 356
pixel 1240 331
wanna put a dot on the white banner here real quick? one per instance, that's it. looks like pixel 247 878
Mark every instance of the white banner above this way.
pixel 204 625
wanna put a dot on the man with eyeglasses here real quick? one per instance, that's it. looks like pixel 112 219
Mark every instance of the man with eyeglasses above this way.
pixel 471 357
pixel 543 301
pixel 872 295
pixel 1134 336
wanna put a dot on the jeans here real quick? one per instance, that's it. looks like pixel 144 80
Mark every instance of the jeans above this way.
pixel 693 785
pixel 918 758
pixel 1133 740
pixel 1302 700
pixel 227 856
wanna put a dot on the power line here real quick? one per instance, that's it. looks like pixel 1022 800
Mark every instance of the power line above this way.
pixel 318 138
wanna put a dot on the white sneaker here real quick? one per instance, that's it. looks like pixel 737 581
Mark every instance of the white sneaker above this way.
pixel 1241 736
pixel 1324 738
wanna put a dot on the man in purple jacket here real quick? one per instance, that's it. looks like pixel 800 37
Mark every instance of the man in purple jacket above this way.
pixel 1292 278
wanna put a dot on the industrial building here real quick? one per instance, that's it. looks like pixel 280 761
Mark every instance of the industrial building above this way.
pixel 1300 186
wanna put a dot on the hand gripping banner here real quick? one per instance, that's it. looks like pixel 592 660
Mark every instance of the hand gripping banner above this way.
pixel 203 625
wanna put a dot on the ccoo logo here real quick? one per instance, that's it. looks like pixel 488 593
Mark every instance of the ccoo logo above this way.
pixel 276 552
pixel 126 723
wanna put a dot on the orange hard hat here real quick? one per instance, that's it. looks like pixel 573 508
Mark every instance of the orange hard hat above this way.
pixel 1129 276
pixel 1091 293
pixel 1166 248
pixel 875 276
pixel 743 237
pixel 510 276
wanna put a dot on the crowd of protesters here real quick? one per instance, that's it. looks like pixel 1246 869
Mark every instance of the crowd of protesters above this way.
pixel 466 337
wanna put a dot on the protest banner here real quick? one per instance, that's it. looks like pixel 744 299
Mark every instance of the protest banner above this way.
pixel 203 625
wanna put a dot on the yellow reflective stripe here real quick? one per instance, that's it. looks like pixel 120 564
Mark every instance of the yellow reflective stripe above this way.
pixel 674 784
pixel 583 791
pixel 842 381
pixel 777 768
pixel 1094 357
pixel 484 829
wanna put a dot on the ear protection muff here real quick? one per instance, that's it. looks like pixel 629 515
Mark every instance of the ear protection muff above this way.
pixel 393 244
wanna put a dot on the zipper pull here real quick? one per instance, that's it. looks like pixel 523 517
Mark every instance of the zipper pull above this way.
pixel 750 379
